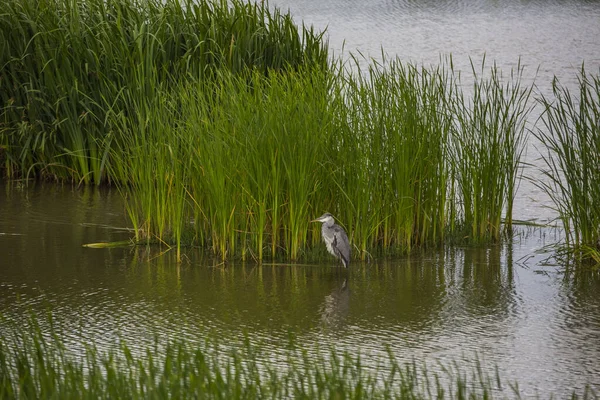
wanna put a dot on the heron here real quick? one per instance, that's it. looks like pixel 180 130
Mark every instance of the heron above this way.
pixel 335 238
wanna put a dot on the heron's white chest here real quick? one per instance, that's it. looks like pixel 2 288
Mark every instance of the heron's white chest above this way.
pixel 328 238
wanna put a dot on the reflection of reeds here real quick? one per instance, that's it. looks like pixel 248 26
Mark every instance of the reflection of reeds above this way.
pixel 34 364
pixel 572 162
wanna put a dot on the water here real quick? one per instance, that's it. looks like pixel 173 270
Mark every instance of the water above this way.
pixel 538 325
pixel 557 36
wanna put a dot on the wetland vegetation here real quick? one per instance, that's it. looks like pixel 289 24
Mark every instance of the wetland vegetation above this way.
pixel 226 125
pixel 38 365
pixel 571 137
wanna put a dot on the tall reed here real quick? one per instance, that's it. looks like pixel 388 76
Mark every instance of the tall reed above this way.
pixel 64 66
pixel 257 163
pixel 571 136
pixel 225 126
pixel 246 160
pixel 237 155
pixel 388 156
pixel 152 167
pixel 489 137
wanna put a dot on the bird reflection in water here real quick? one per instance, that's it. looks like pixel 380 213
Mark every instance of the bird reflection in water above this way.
pixel 336 305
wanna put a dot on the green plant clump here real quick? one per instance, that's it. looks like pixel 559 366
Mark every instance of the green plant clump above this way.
pixel 240 163
pixel 571 138
pixel 489 139
pixel 225 126
pixel 66 65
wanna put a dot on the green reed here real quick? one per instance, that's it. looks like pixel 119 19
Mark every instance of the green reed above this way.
pixel 65 65
pixel 152 169
pixel 34 364
pixel 571 137
pixel 256 162
pixel 240 163
pixel 231 163
pixel 388 156
pixel 488 140
pixel 225 126
pixel 263 156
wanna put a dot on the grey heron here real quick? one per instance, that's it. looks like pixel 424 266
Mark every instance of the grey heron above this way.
pixel 335 238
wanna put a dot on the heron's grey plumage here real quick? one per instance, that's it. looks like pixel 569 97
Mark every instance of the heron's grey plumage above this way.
pixel 335 238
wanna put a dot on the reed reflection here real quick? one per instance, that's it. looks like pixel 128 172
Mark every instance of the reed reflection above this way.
pixel 445 288
pixel 483 280
pixel 578 312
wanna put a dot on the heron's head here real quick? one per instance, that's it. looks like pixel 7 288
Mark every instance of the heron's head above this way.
pixel 325 218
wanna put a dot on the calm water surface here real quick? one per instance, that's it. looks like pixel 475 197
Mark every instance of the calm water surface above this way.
pixel 536 324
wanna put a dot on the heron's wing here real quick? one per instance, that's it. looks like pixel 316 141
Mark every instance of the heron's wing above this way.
pixel 341 244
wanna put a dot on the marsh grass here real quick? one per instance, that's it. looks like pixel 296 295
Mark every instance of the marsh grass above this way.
pixel 234 159
pixel 65 66
pixel 571 139
pixel 388 165
pixel 41 365
pixel 225 126
pixel 241 162
pixel 152 169
pixel 488 142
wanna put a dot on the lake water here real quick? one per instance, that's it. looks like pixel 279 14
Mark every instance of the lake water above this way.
pixel 539 325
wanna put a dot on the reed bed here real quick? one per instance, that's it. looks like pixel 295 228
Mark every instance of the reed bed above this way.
pixel 489 137
pixel 388 158
pixel 225 126
pixel 236 159
pixel 571 140
pixel 66 65
pixel 240 163
pixel 38 365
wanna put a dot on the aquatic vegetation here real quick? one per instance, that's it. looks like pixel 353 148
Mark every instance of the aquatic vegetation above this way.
pixel 230 163
pixel 65 66
pixel 571 140
pixel 242 162
pixel 389 163
pixel 38 365
pixel 489 138
pixel 151 169
pixel 226 126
